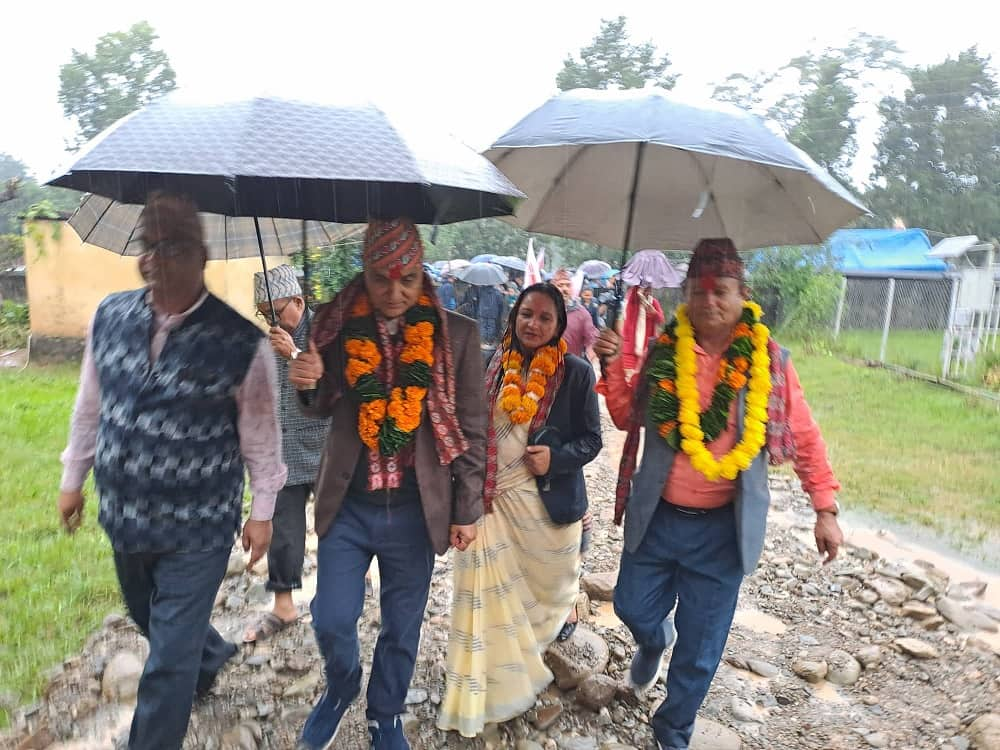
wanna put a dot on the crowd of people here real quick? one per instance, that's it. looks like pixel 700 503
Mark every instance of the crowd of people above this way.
pixel 378 406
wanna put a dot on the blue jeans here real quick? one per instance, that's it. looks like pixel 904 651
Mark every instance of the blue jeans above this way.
pixel 397 537
pixel 170 597
pixel 693 561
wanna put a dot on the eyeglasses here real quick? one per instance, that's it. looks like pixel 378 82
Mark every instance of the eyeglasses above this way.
pixel 165 248
pixel 265 315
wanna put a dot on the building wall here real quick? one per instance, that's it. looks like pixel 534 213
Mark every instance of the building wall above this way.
pixel 67 278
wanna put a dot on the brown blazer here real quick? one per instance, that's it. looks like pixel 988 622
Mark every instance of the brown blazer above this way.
pixel 451 494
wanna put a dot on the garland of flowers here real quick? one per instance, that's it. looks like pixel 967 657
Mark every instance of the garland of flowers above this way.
pixel 517 397
pixel 675 403
pixel 387 420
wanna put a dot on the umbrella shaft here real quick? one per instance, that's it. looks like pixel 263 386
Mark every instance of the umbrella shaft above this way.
pixel 263 265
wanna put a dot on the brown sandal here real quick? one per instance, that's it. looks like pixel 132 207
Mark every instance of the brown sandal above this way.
pixel 267 626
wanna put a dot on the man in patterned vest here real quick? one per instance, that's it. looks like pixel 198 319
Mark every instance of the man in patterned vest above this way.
pixel 402 472
pixel 302 445
pixel 176 401
pixel 719 400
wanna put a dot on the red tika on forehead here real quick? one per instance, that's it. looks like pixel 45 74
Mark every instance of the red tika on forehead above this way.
pixel 707 282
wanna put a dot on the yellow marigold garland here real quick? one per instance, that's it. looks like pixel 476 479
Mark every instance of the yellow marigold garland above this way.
pixel 675 403
pixel 387 420
pixel 517 397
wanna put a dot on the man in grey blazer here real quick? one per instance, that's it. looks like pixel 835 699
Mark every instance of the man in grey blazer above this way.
pixel 719 400
pixel 402 472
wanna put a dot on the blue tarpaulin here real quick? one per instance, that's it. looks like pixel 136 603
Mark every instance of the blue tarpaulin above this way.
pixel 874 250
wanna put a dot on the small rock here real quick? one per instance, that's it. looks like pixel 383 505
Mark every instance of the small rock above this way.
pixel 234 601
pixel 709 735
pixel 802 572
pixel 810 671
pixel 917 610
pixel 808 640
pixel 967 589
pixel 527 745
pixel 763 668
pixel 866 595
pixel 416 696
pixel 113 620
pixel 966 619
pixel 844 669
pixel 600 587
pixel 257 660
pixel 596 692
pixel 265 709
pixel 917 648
pixel 546 716
pixel 892 591
pixel 877 739
pixel 304 686
pixel 258 593
pixel 236 565
pixel 574 660
pixel 577 743
pixel 743 711
pixel 984 732
pixel 491 735
pixel 120 681
pixel 869 656
pixel 992 612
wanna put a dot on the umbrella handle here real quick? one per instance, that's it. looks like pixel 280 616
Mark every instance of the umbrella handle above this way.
pixel 611 319
pixel 263 264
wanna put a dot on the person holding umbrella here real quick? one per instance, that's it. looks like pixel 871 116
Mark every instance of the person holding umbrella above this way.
pixel 301 442
pixel 720 400
pixel 176 399
pixel 402 473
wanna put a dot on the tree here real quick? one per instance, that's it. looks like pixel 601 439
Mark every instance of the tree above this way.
pixel 612 62
pixel 814 97
pixel 20 196
pixel 124 72
pixel 938 163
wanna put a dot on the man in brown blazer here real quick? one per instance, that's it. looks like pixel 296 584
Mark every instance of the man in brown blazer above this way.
pixel 402 473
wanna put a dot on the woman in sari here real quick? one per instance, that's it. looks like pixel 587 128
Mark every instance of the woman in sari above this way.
pixel 517 582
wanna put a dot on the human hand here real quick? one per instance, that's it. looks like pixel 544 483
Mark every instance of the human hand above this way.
pixel 256 540
pixel 829 537
pixel 538 459
pixel 607 345
pixel 306 370
pixel 71 509
pixel 461 535
pixel 282 342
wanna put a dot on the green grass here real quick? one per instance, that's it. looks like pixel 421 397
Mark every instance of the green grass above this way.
pixel 917 350
pixel 54 589
pixel 916 452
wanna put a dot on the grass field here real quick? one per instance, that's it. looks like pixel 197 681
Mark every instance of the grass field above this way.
pixel 917 350
pixel 54 590
pixel 916 452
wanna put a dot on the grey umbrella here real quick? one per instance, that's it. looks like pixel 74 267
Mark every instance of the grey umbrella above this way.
pixel 280 159
pixel 634 169
pixel 509 261
pixel 113 226
pixel 481 274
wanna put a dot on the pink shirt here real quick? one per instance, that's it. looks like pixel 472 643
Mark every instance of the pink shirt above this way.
pixel 256 419
pixel 687 487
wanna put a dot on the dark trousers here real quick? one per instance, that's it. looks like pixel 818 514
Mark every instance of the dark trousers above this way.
pixel 170 597
pixel 397 537
pixel 693 561
pixel 288 540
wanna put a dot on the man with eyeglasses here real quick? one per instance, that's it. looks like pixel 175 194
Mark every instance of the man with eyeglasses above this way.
pixel 302 446
pixel 176 400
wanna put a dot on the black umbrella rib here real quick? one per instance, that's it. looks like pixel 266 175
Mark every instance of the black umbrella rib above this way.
pixel 94 225
pixel 708 188
pixel 630 216
pixel 805 215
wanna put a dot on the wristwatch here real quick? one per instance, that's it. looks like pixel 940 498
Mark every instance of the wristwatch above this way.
pixel 295 354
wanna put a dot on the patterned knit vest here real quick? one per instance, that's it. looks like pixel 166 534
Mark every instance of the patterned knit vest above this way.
pixel 168 466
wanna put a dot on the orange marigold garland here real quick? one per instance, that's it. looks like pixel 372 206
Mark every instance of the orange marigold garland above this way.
pixel 388 419
pixel 519 398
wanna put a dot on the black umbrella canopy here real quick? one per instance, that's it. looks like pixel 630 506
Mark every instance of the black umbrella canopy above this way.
pixel 284 159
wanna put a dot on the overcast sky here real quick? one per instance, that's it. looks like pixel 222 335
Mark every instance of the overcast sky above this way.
pixel 473 68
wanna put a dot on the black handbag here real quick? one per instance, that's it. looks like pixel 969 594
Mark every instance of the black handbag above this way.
pixel 557 509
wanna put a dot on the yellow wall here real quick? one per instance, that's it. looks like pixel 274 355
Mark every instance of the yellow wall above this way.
pixel 67 278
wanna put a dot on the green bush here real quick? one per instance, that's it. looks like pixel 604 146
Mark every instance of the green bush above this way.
pixel 14 325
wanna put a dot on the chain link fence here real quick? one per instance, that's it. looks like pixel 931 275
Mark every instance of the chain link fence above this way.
pixel 912 321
